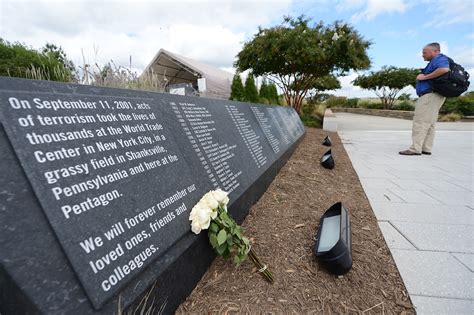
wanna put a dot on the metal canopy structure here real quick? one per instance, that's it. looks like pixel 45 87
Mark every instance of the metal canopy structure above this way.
pixel 176 69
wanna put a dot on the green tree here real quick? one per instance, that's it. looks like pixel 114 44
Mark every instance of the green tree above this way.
pixel 295 54
pixel 264 92
pixel 322 84
pixel 17 60
pixel 274 98
pixel 250 90
pixel 57 53
pixel 268 92
pixel 387 83
pixel 237 89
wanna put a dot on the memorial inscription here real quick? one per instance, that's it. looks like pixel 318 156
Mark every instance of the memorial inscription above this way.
pixel 116 175
pixel 86 158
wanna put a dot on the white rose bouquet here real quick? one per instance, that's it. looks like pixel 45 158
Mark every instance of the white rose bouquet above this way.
pixel 224 234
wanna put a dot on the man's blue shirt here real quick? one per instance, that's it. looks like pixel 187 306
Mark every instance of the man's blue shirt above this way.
pixel 440 61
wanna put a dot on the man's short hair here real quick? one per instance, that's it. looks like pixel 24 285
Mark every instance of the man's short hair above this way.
pixel 435 46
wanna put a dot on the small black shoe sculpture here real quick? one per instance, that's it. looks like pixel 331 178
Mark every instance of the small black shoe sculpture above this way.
pixel 327 141
pixel 327 160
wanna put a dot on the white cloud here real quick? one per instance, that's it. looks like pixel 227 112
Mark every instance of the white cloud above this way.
pixel 211 44
pixel 349 90
pixel 444 13
pixel 401 34
pixel 210 31
pixel 464 55
pixel 374 8
pixel 345 5
pixel 444 47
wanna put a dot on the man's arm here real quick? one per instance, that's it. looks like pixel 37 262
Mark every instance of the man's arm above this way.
pixel 437 73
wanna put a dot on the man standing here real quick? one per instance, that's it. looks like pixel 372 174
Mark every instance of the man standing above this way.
pixel 429 102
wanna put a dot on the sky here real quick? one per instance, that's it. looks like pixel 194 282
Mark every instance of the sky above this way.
pixel 215 31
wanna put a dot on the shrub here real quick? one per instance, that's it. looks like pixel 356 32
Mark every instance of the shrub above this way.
pixel 370 105
pixel 312 115
pixel 450 117
pixel 352 102
pixel 404 106
pixel 18 60
pixel 318 98
pixel 335 101
pixel 404 97
pixel 463 105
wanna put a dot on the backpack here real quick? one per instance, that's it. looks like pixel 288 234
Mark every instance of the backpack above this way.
pixel 453 83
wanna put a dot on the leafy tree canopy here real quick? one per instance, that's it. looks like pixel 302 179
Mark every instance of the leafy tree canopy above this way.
pixel 387 83
pixel 295 55
pixel 17 60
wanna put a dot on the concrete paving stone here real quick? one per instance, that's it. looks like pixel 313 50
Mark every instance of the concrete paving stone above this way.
pixel 466 259
pixel 453 197
pixel 379 168
pixel 421 166
pixel 442 185
pixel 393 238
pixel 369 183
pixel 410 184
pixel 361 168
pixel 435 305
pixel 375 174
pixel 415 174
pixel 423 213
pixel 467 184
pixel 438 282
pixel 415 196
pixel 438 237
pixel 415 164
pixel 433 274
pixel 465 176
pixel 455 168
pixel 382 195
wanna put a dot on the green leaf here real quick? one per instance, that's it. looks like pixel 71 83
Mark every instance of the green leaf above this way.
pixel 226 253
pixel 214 227
pixel 242 256
pixel 221 237
pixel 224 220
pixel 238 231
pixel 221 249
pixel 213 240
pixel 237 260
pixel 229 240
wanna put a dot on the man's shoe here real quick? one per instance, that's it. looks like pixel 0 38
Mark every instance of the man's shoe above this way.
pixel 425 152
pixel 408 152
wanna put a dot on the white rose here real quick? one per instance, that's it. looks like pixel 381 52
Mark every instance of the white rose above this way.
pixel 193 214
pixel 210 201
pixel 196 227
pixel 204 215
pixel 220 196
pixel 214 214
pixel 201 217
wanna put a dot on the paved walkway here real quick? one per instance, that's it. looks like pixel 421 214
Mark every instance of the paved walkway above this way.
pixel 424 205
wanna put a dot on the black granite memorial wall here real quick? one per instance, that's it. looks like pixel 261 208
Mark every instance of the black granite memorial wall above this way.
pixel 97 185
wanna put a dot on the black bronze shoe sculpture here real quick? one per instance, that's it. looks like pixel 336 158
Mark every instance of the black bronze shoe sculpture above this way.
pixel 327 160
